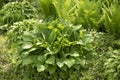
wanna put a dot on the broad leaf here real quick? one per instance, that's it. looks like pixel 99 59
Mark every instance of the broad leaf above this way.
pixel 51 60
pixel 69 62
pixel 59 62
pixel 41 67
pixel 27 61
pixel 51 69
pixel 52 36
pixel 41 58
pixel 27 46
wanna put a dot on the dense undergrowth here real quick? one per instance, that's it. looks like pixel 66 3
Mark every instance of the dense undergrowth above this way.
pixel 60 40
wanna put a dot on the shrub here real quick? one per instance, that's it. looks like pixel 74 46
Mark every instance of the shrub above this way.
pixel 55 48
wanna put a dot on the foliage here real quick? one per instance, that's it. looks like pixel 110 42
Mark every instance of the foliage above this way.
pixel 62 9
pixel 16 11
pixel 51 47
pixel 112 17
pixel 87 15
pixel 60 42
pixel 112 66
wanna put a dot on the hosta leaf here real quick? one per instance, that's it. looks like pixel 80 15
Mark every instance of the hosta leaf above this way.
pixel 52 36
pixel 77 27
pixel 41 58
pixel 27 46
pixel 50 60
pixel 51 69
pixel 77 67
pixel 118 67
pixel 80 42
pixel 75 54
pixel 110 70
pixel 41 68
pixel 69 62
pixel 59 62
pixel 27 36
pixel 79 61
pixel 27 61
pixel 32 49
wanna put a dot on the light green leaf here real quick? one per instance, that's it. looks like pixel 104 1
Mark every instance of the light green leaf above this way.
pixel 32 49
pixel 75 54
pixel 69 62
pixel 27 46
pixel 77 27
pixel 41 68
pixel 50 60
pixel 80 42
pixel 59 62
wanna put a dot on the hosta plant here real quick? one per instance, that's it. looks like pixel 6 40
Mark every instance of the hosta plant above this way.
pixel 55 47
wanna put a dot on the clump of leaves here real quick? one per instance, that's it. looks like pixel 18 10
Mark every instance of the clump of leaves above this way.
pixel 111 65
pixel 87 15
pixel 62 9
pixel 112 17
pixel 55 47
pixel 16 11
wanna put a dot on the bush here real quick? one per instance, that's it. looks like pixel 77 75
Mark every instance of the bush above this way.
pixel 55 48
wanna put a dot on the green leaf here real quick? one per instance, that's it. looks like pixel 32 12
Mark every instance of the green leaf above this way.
pixel 77 27
pixel 77 67
pixel 27 46
pixel 27 61
pixel 41 58
pixel 60 63
pixel 44 4
pixel 75 54
pixel 69 62
pixel 32 49
pixel 51 69
pixel 41 68
pixel 52 36
pixel 51 60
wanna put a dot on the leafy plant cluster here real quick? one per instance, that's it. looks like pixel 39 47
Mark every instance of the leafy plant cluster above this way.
pixel 52 46
pixel 16 11
pixel 102 15
pixel 66 40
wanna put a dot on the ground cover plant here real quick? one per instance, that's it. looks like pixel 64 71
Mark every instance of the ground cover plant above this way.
pixel 59 40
